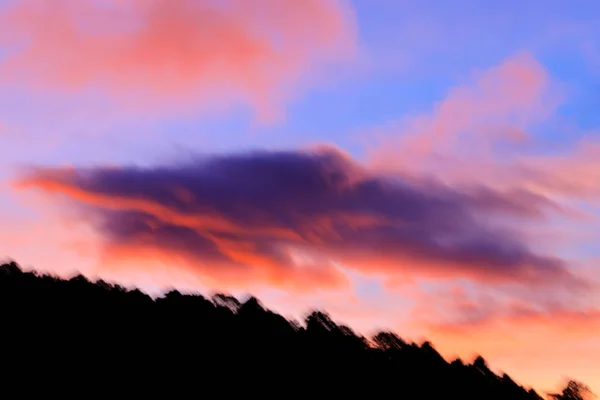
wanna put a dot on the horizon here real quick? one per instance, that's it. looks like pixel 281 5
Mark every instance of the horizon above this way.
pixel 432 169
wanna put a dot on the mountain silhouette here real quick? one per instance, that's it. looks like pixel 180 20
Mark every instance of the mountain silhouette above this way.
pixel 97 339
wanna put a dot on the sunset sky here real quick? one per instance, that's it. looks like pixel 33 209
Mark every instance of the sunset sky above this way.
pixel 431 167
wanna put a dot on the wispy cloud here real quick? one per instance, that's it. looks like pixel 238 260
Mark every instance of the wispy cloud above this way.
pixel 496 107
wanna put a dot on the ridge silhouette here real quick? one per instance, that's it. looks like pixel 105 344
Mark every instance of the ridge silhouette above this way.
pixel 75 336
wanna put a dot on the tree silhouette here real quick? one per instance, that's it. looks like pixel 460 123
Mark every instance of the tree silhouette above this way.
pixel 388 341
pixel 81 338
pixel 574 390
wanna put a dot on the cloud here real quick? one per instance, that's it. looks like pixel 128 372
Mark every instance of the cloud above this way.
pixel 477 134
pixel 560 322
pixel 298 218
pixel 569 174
pixel 496 106
pixel 165 55
pixel 486 132
pixel 474 311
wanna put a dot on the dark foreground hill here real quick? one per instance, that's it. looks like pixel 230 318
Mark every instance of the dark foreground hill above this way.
pixel 99 340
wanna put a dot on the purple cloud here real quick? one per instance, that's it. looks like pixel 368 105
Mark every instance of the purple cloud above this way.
pixel 297 216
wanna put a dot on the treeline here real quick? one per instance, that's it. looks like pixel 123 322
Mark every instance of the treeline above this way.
pixel 65 335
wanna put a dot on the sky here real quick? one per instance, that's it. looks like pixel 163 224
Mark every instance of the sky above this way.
pixel 427 167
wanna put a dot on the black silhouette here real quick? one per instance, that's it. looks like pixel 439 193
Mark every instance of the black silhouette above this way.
pixel 99 340
pixel 574 390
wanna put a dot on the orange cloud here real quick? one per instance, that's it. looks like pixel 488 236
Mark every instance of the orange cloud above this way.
pixel 561 323
pixel 143 261
pixel 161 54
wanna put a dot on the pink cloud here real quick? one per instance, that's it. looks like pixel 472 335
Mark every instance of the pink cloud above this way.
pixel 165 54
pixel 571 174
pixel 497 105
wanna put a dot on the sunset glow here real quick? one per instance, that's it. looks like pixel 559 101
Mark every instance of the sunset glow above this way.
pixel 428 167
